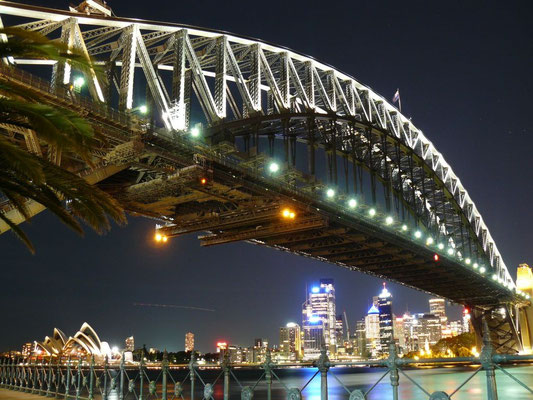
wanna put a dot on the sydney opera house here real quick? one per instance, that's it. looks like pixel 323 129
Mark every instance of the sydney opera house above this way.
pixel 84 343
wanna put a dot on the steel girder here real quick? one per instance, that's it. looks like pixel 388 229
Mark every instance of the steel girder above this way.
pixel 349 120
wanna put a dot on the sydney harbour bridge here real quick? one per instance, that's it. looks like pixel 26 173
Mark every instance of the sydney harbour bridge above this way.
pixel 248 141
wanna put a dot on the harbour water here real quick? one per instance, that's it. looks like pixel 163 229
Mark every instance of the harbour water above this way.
pixel 430 379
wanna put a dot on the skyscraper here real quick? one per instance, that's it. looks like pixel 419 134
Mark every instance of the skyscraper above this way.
pixel 437 307
pixel 373 345
pixel 360 339
pixel 189 341
pixel 129 344
pixel 385 319
pixel 319 319
pixel 289 341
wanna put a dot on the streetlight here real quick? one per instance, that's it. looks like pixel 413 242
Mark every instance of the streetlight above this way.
pixel 352 203
pixel 372 212
pixel 429 241
pixel 404 227
pixel 330 193
pixel 418 234
pixel 389 220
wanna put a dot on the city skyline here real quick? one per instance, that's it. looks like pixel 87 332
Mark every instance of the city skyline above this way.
pixel 71 280
pixel 319 309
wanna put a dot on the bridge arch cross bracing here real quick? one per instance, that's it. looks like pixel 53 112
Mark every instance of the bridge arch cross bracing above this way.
pixel 243 84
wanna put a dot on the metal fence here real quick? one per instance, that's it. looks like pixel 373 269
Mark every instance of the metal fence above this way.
pixel 86 380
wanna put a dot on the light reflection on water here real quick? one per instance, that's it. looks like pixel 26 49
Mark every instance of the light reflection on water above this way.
pixel 438 379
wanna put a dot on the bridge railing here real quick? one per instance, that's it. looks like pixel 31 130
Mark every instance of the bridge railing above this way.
pixel 66 95
pixel 87 380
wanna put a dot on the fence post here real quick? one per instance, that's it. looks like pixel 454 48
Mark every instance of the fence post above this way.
pixel 323 365
pixel 122 373
pixel 49 382
pixel 78 378
pixel 485 358
pixel 91 379
pixel 393 368
pixel 58 376
pixel 106 366
pixel 164 367
pixel 141 376
pixel 268 373
pixel 192 373
pixel 67 384
pixel 226 369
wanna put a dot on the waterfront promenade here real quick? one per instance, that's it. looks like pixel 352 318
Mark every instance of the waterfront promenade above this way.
pixel 6 394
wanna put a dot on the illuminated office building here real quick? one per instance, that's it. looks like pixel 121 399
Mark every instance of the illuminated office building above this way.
pixel 189 341
pixel 385 319
pixel 290 342
pixel 373 344
pixel 319 320
pixel 129 344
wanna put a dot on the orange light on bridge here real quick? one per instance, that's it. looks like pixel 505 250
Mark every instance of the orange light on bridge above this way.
pixel 203 181
pixel 160 238
pixel 287 213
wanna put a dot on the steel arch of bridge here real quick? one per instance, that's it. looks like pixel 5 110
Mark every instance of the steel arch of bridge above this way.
pixel 243 83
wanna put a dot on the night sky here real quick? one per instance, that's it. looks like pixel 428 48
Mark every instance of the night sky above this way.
pixel 464 73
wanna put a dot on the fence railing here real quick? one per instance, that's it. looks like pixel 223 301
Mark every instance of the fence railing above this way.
pixel 86 380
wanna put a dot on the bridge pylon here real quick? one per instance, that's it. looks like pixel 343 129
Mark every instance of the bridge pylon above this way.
pixel 524 282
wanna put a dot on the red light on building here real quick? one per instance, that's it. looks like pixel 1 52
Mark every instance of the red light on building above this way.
pixel 466 311
pixel 436 257
pixel 221 346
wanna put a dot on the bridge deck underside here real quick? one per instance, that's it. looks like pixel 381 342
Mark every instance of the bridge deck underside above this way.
pixel 230 208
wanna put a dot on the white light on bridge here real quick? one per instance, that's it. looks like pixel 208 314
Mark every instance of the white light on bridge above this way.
pixel 475 265
pixel 352 203
pixel 389 220
pixel 418 234
pixel 195 132
pixel 372 212
pixel 143 109
pixel 79 82
pixel 468 261
pixel 330 193
pixel 441 246
pixel 273 167
pixel 404 227
pixel 450 251
pixel 494 277
pixel 429 241
pixel 482 270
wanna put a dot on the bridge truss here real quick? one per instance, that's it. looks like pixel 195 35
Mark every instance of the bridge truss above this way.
pixel 370 192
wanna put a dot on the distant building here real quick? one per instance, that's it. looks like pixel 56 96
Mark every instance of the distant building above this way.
pixel 360 339
pixel 399 333
pixel 466 320
pixel 339 330
pixel 289 341
pixel 427 328
pixel 27 350
pixel 189 341
pixel 385 319
pixel 260 350
pixel 319 320
pixel 129 344
pixel 373 345
pixel 437 306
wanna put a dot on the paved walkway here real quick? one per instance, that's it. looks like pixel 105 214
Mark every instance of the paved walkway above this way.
pixel 6 394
